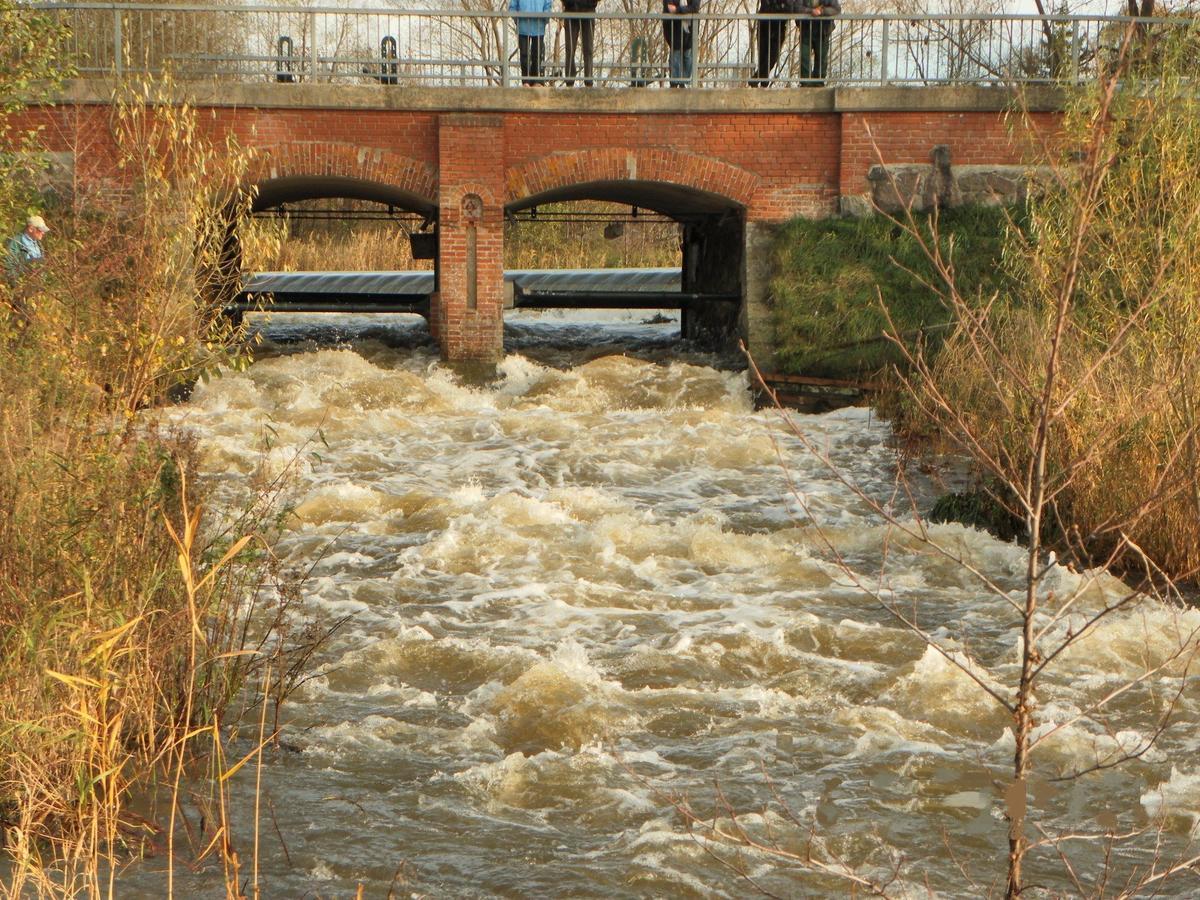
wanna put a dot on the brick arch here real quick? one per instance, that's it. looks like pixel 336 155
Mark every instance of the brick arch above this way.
pixel 346 160
pixel 558 171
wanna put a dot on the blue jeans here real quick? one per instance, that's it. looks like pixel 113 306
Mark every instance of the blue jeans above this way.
pixel 681 67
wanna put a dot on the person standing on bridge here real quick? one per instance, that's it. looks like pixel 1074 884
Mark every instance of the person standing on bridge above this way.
pixel 678 30
pixel 531 38
pixel 816 30
pixel 582 27
pixel 770 39
pixel 25 249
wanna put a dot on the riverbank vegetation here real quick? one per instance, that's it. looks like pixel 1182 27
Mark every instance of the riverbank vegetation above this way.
pixel 1095 338
pixel 1068 380
pixel 840 286
pixel 969 305
pixel 125 615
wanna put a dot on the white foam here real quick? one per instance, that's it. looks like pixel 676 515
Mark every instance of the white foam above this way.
pixel 1176 798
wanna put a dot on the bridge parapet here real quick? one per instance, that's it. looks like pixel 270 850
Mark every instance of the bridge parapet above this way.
pixel 442 47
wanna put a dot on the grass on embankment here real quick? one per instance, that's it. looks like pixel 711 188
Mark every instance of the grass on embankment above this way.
pixel 111 644
pixel 833 279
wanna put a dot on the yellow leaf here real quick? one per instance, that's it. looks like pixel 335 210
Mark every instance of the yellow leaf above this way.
pixel 108 639
pixel 73 680
pixel 229 554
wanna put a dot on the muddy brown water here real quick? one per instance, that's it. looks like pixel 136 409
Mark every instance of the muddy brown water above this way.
pixel 601 583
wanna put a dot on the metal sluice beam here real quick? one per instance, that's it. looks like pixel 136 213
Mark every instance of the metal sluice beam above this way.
pixel 297 301
pixel 384 292
pixel 614 299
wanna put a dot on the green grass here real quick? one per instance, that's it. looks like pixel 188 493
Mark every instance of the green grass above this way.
pixel 833 279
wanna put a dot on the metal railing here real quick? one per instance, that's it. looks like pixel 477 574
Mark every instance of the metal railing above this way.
pixel 461 47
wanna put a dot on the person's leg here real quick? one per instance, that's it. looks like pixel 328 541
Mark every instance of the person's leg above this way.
pixel 688 61
pixel 761 69
pixel 823 36
pixel 589 45
pixel 806 42
pixel 675 61
pixel 769 46
pixel 536 48
pixel 572 29
pixel 523 50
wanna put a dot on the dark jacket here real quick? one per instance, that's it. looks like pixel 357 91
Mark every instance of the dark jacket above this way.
pixel 678 30
pixel 778 7
pixel 828 7
pixel 579 6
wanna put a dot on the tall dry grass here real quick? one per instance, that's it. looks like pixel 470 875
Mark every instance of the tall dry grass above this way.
pixel 293 245
pixel 584 244
pixel 284 244
pixel 128 626
pixel 1104 288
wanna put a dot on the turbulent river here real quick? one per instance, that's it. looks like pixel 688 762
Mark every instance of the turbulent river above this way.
pixel 605 587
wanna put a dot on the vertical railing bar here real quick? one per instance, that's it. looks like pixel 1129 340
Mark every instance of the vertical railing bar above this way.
pixel 883 54
pixel 694 76
pixel 505 73
pixel 312 47
pixel 118 42
pixel 1074 51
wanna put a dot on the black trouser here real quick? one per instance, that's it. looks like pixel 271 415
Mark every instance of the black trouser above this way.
pixel 576 29
pixel 770 41
pixel 531 48
pixel 815 34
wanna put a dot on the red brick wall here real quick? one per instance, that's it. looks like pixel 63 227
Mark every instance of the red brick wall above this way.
pixel 974 138
pixel 775 165
pixel 470 164
pixel 398 149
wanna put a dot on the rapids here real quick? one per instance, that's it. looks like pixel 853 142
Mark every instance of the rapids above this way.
pixel 602 585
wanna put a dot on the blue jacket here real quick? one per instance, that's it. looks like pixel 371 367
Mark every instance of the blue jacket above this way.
pixel 530 27
pixel 22 250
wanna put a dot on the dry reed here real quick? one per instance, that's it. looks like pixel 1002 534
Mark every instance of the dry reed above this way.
pixel 283 244
pixel 128 628
pixel 1117 246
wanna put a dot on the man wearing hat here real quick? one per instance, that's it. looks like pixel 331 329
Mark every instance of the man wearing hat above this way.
pixel 25 248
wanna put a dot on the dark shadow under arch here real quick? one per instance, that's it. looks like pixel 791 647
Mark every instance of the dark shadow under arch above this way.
pixel 676 201
pixel 272 192
pixel 712 242
pixel 224 284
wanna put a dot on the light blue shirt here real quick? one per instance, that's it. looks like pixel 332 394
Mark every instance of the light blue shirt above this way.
pixel 22 250
pixel 531 27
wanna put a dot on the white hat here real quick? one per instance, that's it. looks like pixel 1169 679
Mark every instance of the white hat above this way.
pixel 37 222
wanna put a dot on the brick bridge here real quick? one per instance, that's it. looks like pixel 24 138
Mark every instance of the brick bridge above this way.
pixel 727 165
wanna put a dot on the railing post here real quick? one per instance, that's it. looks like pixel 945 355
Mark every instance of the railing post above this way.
pixel 694 80
pixel 883 55
pixel 118 42
pixel 312 47
pixel 1075 51
pixel 505 74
